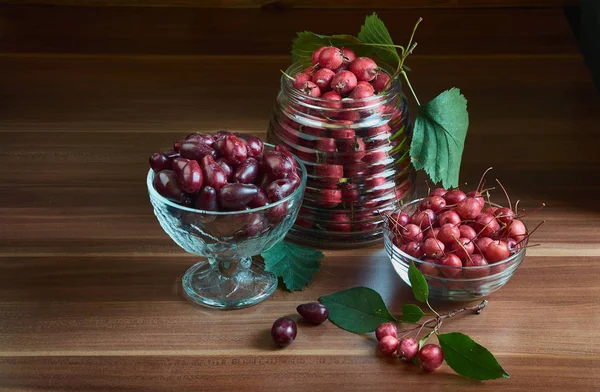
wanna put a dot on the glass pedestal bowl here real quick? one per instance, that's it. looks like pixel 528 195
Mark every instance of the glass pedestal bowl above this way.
pixel 229 278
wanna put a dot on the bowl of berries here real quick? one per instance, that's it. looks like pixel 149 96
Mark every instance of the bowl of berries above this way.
pixel 226 197
pixel 465 246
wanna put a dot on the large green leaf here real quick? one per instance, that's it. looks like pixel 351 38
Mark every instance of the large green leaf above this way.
pixel 296 264
pixel 357 310
pixel 373 31
pixel 418 283
pixel 439 137
pixel 306 43
pixel 468 358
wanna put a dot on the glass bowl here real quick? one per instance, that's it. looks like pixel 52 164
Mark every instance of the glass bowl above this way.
pixel 229 278
pixel 461 287
pixel 356 155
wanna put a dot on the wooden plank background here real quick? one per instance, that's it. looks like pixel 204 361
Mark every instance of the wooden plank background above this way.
pixel 279 4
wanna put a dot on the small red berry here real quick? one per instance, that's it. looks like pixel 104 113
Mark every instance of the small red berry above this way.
pixel 431 357
pixel 386 329
pixel 388 345
pixel 408 348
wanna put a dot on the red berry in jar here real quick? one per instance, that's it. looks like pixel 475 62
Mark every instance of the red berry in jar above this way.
pixel 340 222
pixel 300 79
pixel 363 68
pixel 380 82
pixel 323 78
pixel 316 54
pixel 344 82
pixel 331 58
pixel 330 197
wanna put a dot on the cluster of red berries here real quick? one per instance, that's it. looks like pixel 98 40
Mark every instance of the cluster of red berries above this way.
pixel 224 172
pixel 337 73
pixel 453 229
pixel 430 356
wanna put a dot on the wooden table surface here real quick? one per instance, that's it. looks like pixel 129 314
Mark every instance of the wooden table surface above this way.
pixel 90 296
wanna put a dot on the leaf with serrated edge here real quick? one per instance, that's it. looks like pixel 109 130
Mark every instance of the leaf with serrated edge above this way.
pixel 418 283
pixel 411 313
pixel 373 31
pixel 296 264
pixel 357 310
pixel 439 137
pixel 470 359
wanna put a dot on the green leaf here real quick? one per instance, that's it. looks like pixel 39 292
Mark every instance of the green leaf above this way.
pixel 470 359
pixel 306 43
pixel 357 310
pixel 373 31
pixel 418 283
pixel 411 313
pixel 296 264
pixel 439 137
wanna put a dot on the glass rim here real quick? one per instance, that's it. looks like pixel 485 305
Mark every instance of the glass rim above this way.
pixel 397 250
pixel 153 192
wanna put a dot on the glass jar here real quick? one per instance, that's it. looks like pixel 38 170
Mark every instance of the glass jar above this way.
pixel 356 156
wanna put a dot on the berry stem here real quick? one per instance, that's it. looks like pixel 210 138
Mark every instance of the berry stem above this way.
pixel 481 181
pixel 412 36
pixel 532 212
pixel 287 76
pixel 403 73
pixel 505 193
pixel 382 45
pixel 475 309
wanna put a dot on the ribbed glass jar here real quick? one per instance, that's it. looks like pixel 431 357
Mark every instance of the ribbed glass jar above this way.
pixel 356 156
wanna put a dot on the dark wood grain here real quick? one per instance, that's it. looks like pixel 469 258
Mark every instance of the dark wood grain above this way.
pixel 201 31
pixel 279 4
pixel 89 284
